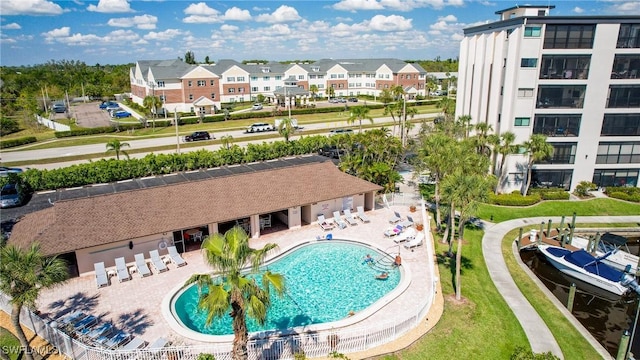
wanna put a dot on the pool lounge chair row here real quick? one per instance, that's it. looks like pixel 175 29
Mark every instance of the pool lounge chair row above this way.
pixel 141 267
pixel 341 222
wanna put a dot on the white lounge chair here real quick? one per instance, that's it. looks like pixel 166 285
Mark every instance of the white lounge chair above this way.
pixel 175 256
pixel 417 241
pixel 406 235
pixel 349 218
pixel 136 343
pixel 338 220
pixel 121 270
pixel 363 217
pixel 394 231
pixel 102 278
pixel 102 330
pixel 407 223
pixel 158 344
pixel 141 265
pixel 157 262
pixel 324 223
pixel 118 339
pixel 396 218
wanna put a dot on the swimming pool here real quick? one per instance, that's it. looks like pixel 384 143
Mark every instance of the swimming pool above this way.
pixel 325 282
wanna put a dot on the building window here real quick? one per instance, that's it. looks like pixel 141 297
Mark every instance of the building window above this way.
pixel 320 86
pixel 618 153
pixel 333 76
pixel 522 121
pixel 563 153
pixel 532 31
pixel 212 82
pixel 340 76
pixel 618 177
pixel 629 36
pixel 300 77
pixel 241 90
pixel 202 83
pixel 320 76
pixel 561 96
pixel 551 178
pixel 232 90
pixel 557 125
pixel 240 79
pixel 523 92
pixel 624 96
pixel 254 89
pixel 213 95
pixel 163 98
pixel 401 76
pixel 626 66
pixel 189 83
pixel 231 79
pixel 278 77
pixel 160 84
pixel 312 76
pixel 565 67
pixel 621 125
pixel 528 62
pixel 266 88
pixel 569 36
pixel 190 96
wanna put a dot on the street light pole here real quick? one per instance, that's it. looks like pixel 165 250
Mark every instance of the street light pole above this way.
pixel 175 112
pixel 286 91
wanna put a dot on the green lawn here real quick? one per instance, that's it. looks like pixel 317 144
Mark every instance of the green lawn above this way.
pixel 600 206
pixel 9 344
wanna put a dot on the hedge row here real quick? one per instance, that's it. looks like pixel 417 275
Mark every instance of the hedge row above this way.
pixel 514 199
pixel 98 130
pixel 555 195
pixel 4 144
pixel 624 193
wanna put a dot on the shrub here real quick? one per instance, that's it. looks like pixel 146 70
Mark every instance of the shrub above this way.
pixel 555 195
pixel 206 357
pixel 514 199
pixel 583 188
pixel 624 193
pixel 520 353
pixel 17 142
pixel 87 131
pixel 8 126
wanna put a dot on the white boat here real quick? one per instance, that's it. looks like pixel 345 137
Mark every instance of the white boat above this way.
pixel 584 266
pixel 614 244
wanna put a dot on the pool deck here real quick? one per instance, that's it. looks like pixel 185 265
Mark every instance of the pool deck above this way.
pixel 135 305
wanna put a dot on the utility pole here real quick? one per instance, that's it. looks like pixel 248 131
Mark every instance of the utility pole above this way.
pixel 175 112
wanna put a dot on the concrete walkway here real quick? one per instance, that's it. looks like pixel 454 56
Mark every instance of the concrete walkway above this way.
pixel 538 334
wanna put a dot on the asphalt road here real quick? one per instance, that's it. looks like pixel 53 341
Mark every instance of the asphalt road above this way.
pixel 62 152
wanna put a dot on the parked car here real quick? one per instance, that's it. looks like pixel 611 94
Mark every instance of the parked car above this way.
pixel 331 151
pixel 341 131
pixel 59 107
pixel 334 101
pixel 198 135
pixel 256 106
pixel 260 127
pixel 353 99
pixel 342 100
pixel 5 171
pixel 107 104
pixel 121 114
pixel 11 195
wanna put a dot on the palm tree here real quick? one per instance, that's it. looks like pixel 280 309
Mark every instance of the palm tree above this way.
pixel 286 128
pixel 314 90
pixel 359 113
pixel 116 146
pixel 234 292
pixel 23 273
pixel 504 148
pixel 152 104
pixel 538 149
pixel 226 141
pixel 448 106
pixel 330 92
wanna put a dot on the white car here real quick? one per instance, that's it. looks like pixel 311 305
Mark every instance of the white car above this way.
pixel 260 127
pixel 256 106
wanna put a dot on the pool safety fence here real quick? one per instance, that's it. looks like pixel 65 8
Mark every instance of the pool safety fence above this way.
pixel 261 346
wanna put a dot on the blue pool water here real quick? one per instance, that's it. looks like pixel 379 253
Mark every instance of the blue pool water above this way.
pixel 325 281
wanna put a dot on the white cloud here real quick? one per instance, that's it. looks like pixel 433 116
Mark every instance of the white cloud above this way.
pixel 449 18
pixel 145 22
pixel 237 14
pixel 111 6
pixel 201 13
pixel 12 26
pixel 578 10
pixel 625 7
pixel 389 23
pixel 164 35
pixel 227 27
pixel 282 14
pixel 29 7
pixel 353 5
pixel 56 33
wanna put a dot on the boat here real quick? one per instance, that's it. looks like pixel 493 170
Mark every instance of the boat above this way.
pixel 620 256
pixel 584 266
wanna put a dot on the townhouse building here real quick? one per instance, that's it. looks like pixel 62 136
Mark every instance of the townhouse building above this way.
pixel 573 79
pixel 202 88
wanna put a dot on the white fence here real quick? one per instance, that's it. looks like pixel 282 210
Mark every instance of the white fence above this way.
pixel 273 346
pixel 52 124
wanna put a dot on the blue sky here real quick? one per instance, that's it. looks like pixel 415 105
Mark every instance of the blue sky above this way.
pixel 123 31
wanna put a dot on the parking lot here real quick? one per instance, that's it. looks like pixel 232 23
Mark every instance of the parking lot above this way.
pixel 87 115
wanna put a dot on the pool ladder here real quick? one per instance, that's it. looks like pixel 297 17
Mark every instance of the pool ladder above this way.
pixel 386 261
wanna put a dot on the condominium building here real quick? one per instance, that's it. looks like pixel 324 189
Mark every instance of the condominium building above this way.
pixel 573 79
pixel 202 88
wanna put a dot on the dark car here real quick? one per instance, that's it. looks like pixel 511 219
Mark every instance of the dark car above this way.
pixel 121 114
pixel 331 151
pixel 11 195
pixel 5 171
pixel 198 135
pixel 107 104
pixel 341 131
pixel 59 107
pixel 353 99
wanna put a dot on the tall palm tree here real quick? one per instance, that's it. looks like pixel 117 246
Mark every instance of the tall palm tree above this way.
pixel 505 147
pixel 23 273
pixel 286 128
pixel 116 146
pixel 152 104
pixel 448 106
pixel 538 149
pixel 314 90
pixel 234 292
pixel 359 113
pixel 330 92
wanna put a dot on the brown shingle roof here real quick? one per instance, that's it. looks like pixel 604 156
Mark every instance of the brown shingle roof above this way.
pixel 86 222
